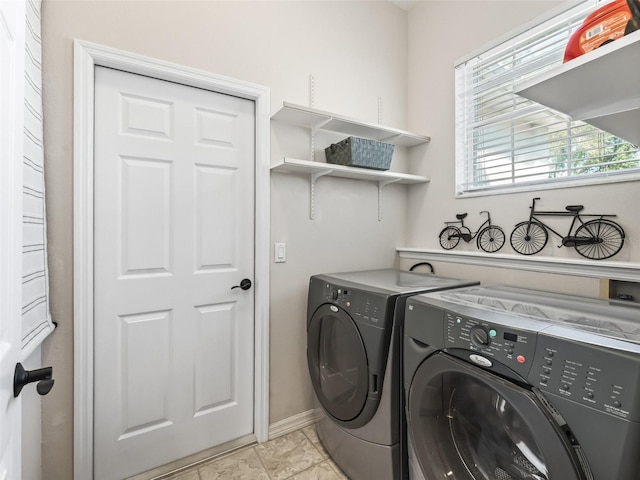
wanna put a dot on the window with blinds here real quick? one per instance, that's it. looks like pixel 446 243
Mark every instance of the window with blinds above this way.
pixel 505 141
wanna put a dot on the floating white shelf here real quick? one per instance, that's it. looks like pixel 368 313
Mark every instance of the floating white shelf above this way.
pixel 319 120
pixel 304 166
pixel 619 270
pixel 601 88
pixel 319 169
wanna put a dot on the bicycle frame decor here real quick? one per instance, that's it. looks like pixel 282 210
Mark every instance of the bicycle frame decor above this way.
pixel 595 239
pixel 490 238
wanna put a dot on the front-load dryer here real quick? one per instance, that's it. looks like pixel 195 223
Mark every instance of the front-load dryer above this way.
pixel 505 383
pixel 354 333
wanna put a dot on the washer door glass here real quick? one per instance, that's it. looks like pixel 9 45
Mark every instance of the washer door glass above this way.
pixel 466 423
pixel 337 362
pixel 490 435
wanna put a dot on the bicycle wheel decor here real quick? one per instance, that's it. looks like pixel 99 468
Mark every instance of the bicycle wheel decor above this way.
pixel 449 237
pixel 604 238
pixel 491 239
pixel 529 238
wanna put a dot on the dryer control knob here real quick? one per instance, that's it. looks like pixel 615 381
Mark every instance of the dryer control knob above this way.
pixel 479 336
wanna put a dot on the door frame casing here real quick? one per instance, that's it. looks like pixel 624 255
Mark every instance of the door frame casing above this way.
pixel 86 57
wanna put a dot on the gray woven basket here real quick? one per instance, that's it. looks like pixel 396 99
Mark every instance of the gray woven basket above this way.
pixel 360 152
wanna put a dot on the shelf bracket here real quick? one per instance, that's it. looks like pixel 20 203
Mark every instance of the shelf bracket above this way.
pixel 312 184
pixel 314 130
pixel 381 185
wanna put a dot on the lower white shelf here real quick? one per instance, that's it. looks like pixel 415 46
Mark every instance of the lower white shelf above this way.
pixel 305 166
pixel 320 169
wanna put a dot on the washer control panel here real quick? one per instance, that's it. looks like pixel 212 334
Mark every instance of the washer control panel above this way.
pixel 364 307
pixel 511 347
pixel 604 379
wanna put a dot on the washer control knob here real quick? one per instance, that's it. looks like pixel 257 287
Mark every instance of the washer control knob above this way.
pixel 334 294
pixel 479 336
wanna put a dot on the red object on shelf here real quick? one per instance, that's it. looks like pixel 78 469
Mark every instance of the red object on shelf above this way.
pixel 603 26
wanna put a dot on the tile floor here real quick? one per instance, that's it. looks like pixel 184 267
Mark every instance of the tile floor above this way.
pixel 295 456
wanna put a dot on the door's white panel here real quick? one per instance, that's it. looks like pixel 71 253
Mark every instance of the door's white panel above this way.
pixel 214 357
pixel 173 233
pixel 147 116
pixel 216 128
pixel 216 190
pixel 145 212
pixel 145 349
pixel 12 97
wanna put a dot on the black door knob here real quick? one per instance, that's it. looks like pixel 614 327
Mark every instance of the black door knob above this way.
pixel 22 377
pixel 245 284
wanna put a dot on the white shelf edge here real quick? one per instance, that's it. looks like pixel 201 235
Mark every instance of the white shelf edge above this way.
pixel 321 120
pixel 294 165
pixel 596 87
pixel 563 266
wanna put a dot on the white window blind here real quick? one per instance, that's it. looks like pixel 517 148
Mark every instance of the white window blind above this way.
pixel 505 141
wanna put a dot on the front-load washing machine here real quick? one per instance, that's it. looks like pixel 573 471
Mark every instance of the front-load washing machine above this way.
pixel 506 383
pixel 354 333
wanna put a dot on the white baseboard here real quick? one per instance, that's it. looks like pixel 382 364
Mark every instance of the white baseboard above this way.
pixel 293 423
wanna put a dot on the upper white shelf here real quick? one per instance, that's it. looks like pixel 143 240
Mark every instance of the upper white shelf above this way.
pixel 319 120
pixel 601 88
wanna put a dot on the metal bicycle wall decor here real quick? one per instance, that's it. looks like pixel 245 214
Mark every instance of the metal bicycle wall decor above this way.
pixel 594 236
pixel 490 238
pixel 595 239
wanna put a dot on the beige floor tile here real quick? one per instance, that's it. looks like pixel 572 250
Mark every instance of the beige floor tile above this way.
pixel 288 455
pixel 322 471
pixel 311 434
pixel 244 465
pixel 339 472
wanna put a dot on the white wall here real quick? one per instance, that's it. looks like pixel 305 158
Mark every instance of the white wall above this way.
pixel 357 52
pixel 439 34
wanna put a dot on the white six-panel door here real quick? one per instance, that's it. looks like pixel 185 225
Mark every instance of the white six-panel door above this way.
pixel 174 231
pixel 11 140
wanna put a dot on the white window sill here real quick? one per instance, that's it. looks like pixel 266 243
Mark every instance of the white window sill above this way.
pixel 585 181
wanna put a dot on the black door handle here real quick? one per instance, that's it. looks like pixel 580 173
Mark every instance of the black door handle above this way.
pixel 245 284
pixel 22 377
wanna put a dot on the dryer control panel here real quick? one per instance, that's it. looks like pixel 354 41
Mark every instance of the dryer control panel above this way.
pixel 601 378
pixel 366 307
pixel 488 343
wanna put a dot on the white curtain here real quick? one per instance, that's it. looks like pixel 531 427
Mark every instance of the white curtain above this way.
pixel 36 319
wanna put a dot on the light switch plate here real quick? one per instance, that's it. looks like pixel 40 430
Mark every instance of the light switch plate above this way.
pixel 280 253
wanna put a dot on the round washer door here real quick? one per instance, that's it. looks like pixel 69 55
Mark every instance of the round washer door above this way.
pixel 468 424
pixel 337 362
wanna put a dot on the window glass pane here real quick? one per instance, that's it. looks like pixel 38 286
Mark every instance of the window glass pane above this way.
pixel 504 140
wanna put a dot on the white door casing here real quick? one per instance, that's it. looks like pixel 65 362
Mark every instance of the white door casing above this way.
pixel 11 148
pixel 87 57
pixel 173 233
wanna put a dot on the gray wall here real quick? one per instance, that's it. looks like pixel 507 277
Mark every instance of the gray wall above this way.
pixel 440 33
pixel 356 52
